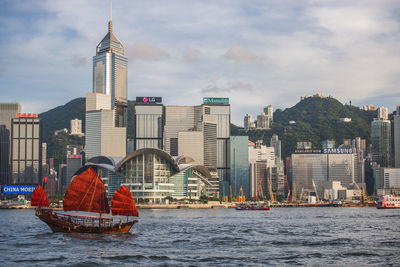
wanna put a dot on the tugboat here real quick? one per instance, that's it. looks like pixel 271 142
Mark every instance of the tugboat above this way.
pixel 87 193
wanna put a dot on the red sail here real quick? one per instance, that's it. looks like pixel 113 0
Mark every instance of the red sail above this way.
pixel 86 193
pixel 123 203
pixel 39 197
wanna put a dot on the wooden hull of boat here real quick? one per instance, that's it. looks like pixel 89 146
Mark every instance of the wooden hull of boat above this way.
pixel 59 224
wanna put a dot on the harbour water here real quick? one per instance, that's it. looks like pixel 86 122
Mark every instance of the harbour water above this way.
pixel 281 236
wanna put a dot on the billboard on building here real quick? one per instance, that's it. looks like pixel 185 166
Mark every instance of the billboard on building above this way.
pixel 215 100
pixel 148 99
pixel 18 189
pixel 338 151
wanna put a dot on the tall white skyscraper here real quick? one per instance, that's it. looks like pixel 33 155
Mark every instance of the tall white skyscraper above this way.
pixel 106 116
pixel 110 70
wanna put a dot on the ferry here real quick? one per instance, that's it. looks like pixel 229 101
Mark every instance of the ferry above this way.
pixel 389 202
pixel 253 206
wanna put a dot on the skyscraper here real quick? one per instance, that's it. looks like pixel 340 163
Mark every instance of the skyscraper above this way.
pixel 177 119
pixel 7 112
pixel 102 138
pixel 149 123
pixel 396 135
pixel 380 138
pixel 239 156
pixel 219 111
pixel 106 107
pixel 26 149
pixel 110 70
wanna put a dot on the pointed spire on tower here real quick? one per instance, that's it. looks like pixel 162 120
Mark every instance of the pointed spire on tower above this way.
pixel 110 24
pixel 110 42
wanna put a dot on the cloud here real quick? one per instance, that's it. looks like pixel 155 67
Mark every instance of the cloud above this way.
pixel 78 61
pixel 146 52
pixel 221 85
pixel 280 50
pixel 191 55
pixel 240 55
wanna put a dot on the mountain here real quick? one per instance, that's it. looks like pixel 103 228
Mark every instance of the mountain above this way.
pixel 316 119
pixel 61 116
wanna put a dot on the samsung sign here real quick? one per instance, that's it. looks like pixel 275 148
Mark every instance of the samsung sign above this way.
pixel 18 189
pixel 338 151
pixel 148 99
pixel 215 100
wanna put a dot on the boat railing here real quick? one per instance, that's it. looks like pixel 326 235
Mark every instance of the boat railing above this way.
pixel 88 221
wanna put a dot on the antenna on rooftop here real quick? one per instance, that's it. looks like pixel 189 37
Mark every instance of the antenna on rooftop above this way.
pixel 110 10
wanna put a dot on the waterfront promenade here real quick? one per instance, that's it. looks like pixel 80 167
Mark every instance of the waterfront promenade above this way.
pixel 219 205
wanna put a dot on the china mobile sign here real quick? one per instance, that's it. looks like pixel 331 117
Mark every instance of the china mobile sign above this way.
pixel 18 189
pixel 338 151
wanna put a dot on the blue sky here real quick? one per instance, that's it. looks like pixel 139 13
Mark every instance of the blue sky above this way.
pixel 254 52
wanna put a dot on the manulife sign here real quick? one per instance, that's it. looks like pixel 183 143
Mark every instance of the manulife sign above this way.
pixel 215 100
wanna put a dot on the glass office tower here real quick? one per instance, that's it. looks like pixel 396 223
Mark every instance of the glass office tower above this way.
pixel 110 72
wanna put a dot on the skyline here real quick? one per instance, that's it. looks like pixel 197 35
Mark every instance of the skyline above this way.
pixel 256 54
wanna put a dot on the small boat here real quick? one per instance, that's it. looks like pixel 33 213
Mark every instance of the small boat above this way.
pixel 87 193
pixel 253 206
pixel 389 202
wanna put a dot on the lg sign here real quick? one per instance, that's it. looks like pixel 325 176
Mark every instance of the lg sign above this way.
pixel 148 99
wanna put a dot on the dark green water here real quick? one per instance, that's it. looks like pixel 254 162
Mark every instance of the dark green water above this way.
pixel 282 236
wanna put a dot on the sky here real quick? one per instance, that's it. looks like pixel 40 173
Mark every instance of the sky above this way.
pixel 257 52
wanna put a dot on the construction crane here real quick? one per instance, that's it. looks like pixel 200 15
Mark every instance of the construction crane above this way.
pixel 259 186
pixel 301 194
pixel 269 184
pixel 241 197
pixel 288 199
pixel 293 191
pixel 315 189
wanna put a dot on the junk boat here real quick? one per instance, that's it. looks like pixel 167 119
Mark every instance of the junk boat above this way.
pixel 389 202
pixel 87 193
pixel 253 206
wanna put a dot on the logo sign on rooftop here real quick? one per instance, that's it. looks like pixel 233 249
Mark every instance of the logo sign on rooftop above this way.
pixel 148 99
pixel 215 100
pixel 338 151
pixel 26 115
pixel 307 151
pixel 18 189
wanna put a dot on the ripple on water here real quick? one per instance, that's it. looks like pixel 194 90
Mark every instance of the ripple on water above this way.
pixel 315 236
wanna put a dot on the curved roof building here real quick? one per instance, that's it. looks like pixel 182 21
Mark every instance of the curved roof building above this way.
pixel 152 175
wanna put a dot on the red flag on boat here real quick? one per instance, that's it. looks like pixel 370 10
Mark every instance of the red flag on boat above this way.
pixel 39 197
pixel 123 203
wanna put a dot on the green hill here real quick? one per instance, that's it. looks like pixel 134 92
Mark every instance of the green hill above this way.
pixel 317 119
pixel 61 116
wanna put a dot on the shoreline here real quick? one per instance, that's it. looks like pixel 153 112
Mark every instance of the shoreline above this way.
pixel 218 206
